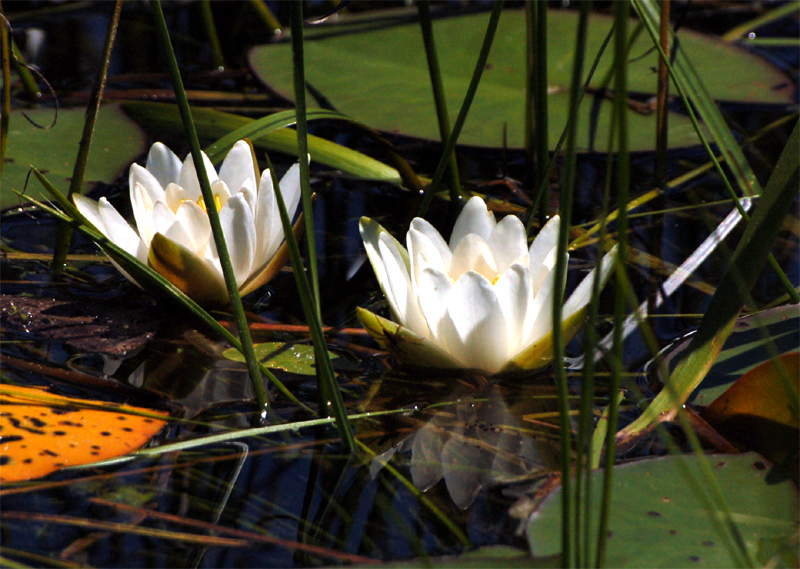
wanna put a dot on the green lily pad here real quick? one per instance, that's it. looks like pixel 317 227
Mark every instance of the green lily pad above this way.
pixel 657 520
pixel 294 358
pixel 116 143
pixel 377 73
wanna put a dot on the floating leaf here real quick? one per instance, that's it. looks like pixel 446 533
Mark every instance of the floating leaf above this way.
pixel 657 521
pixel 377 73
pixel 758 412
pixel 41 432
pixel 294 358
pixel 116 143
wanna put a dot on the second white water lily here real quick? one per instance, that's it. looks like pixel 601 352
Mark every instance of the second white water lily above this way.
pixel 174 232
pixel 483 302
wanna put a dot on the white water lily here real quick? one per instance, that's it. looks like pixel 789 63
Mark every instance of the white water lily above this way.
pixel 483 302
pixel 174 232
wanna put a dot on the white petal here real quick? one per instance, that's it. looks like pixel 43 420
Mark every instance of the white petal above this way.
pixel 370 235
pixel 239 230
pixel 474 218
pixel 89 210
pixel 435 238
pixel 161 220
pixel 269 230
pixel 163 164
pixel 290 189
pixel 118 231
pixel 145 192
pixel 508 242
pixel 581 296
pixel 473 254
pixel 188 177
pixel 248 190
pixel 195 222
pixel 540 314
pixel 221 194
pixel 238 167
pixel 545 241
pixel 513 290
pixel 403 301
pixel 433 287
pixel 481 339
pixel 422 251
pixel 543 269
pixel 174 195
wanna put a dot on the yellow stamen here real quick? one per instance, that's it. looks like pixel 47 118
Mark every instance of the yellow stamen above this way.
pixel 217 203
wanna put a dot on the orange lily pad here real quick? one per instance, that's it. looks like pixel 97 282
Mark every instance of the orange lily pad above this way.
pixel 41 432
pixel 758 412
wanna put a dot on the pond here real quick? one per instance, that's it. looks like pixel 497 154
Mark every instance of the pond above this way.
pixel 453 467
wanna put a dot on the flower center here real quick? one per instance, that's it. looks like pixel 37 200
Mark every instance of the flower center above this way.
pixel 202 203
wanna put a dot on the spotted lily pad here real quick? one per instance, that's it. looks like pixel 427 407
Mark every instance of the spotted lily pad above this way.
pixel 41 432
pixel 657 519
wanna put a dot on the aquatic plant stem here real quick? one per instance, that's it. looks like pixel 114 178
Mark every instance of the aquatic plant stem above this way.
pixel 5 50
pixel 330 397
pixel 424 9
pixel 326 378
pixel 530 214
pixel 565 212
pixel 211 32
pixel 661 99
pixel 298 61
pixel 621 15
pixel 430 191
pixel 537 135
pixel 64 232
pixel 213 215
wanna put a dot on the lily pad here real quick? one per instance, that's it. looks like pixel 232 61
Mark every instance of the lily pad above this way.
pixel 760 411
pixel 294 358
pixel 117 141
pixel 377 74
pixel 657 520
pixel 43 432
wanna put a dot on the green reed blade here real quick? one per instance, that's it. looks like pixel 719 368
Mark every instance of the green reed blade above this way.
pixel 430 191
pixel 566 193
pixel 326 377
pixel 64 232
pixel 621 15
pixel 5 112
pixel 213 124
pixel 211 32
pixel 423 6
pixel 213 215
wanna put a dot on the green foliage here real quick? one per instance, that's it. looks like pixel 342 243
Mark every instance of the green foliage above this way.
pixel 659 521
pixel 395 94
pixel 294 358
pixel 117 142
